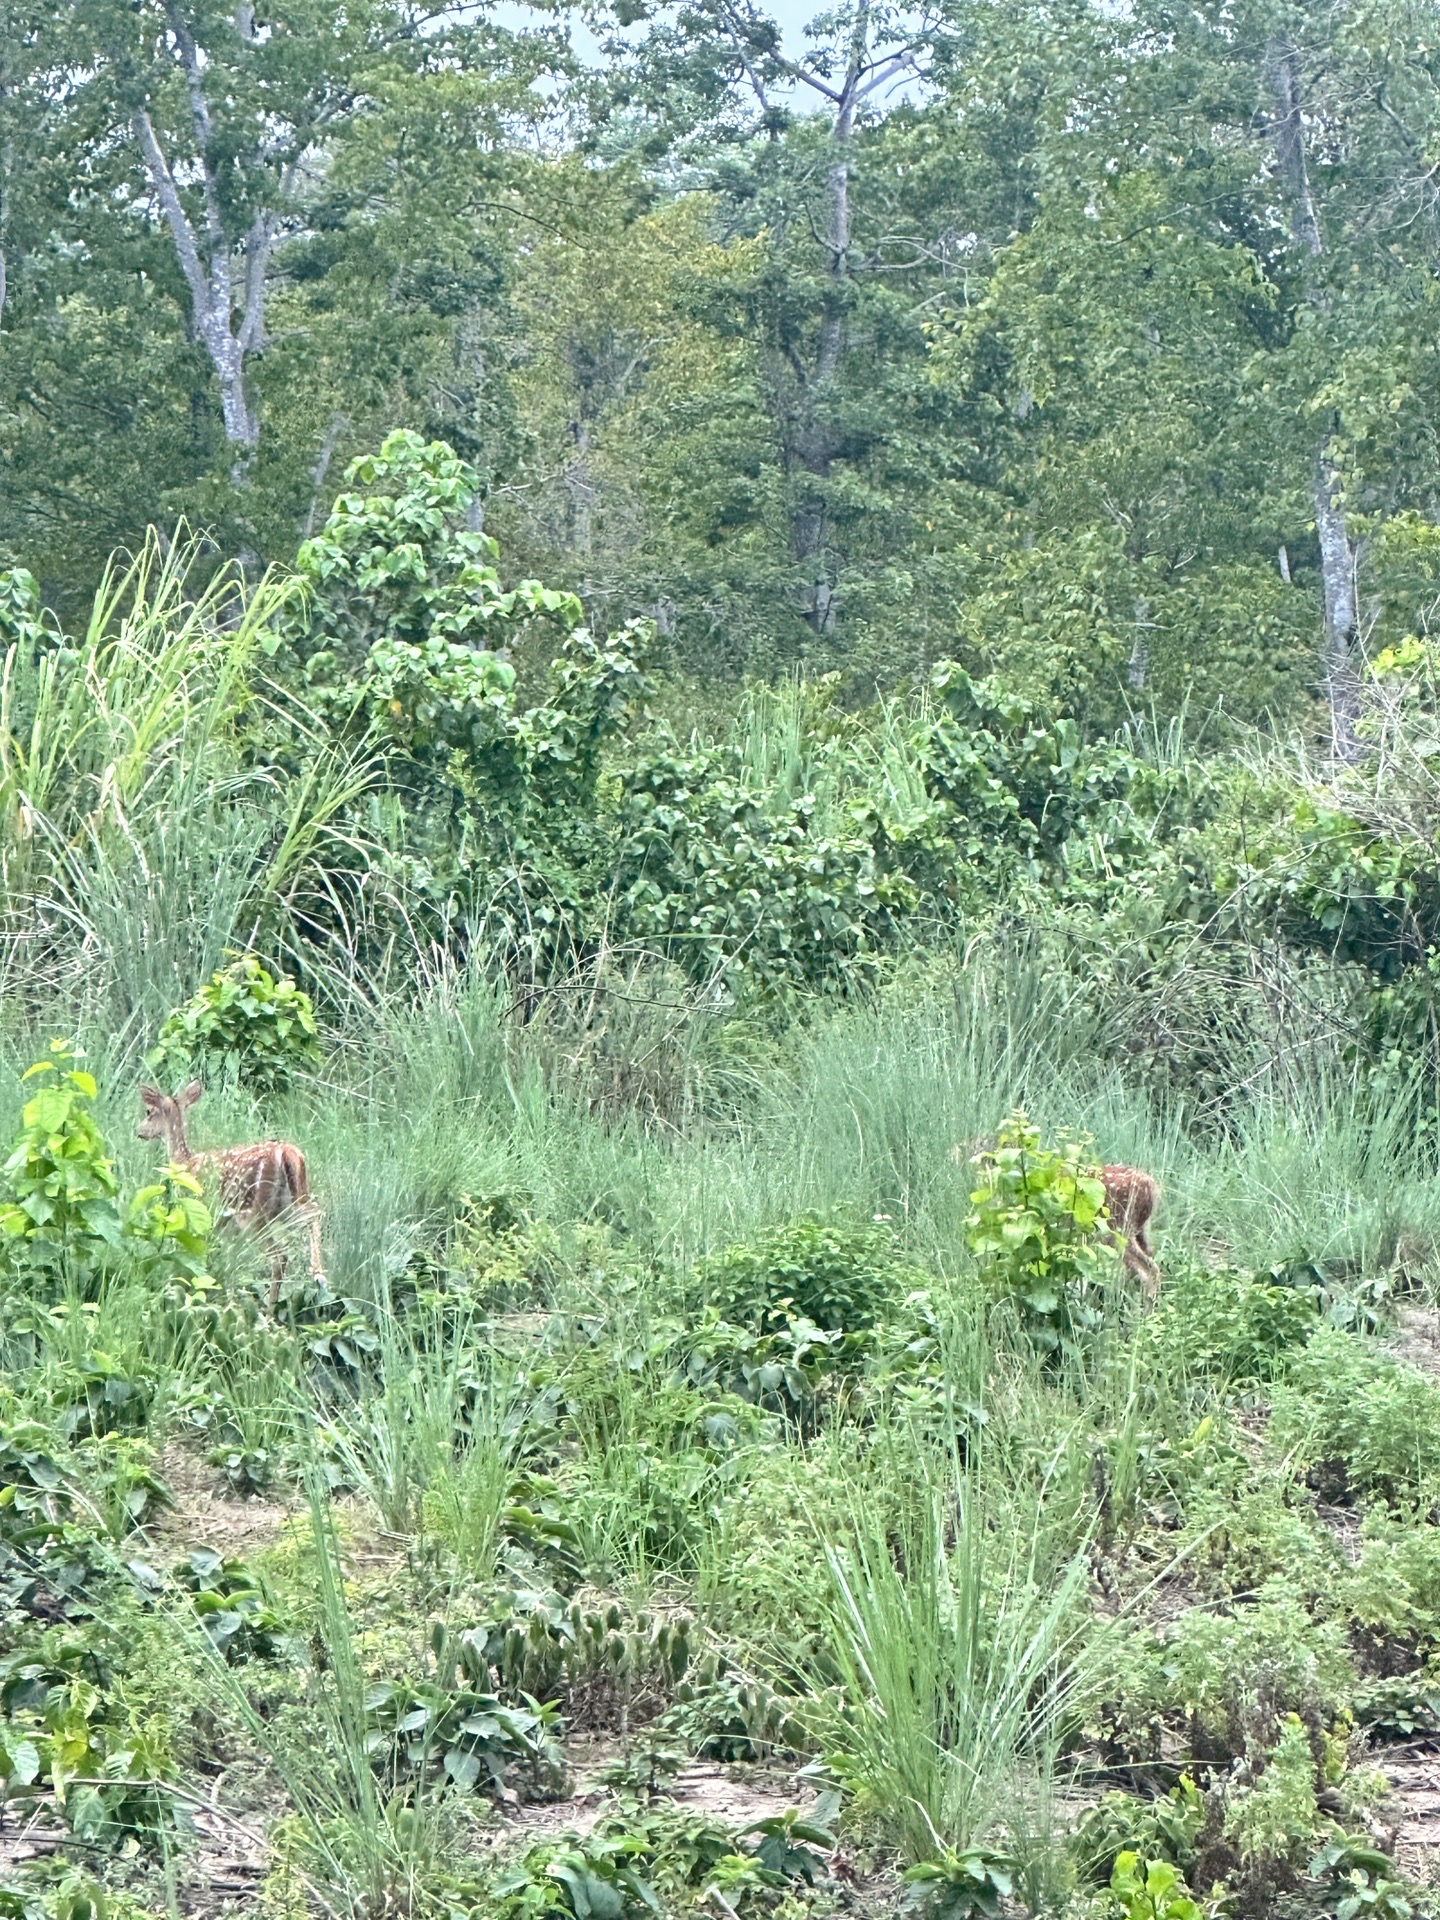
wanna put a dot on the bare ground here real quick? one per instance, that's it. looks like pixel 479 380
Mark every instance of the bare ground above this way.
pixel 206 1512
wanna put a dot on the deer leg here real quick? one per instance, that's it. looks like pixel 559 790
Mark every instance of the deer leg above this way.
pixel 278 1264
pixel 1151 1281
pixel 317 1269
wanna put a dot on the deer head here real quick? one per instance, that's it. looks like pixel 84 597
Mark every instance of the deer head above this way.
pixel 165 1116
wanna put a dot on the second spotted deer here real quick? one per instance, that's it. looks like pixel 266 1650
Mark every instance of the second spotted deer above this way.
pixel 1131 1196
pixel 261 1186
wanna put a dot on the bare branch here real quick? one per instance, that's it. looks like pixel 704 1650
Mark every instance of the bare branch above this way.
pixel 736 24
pixel 163 181
pixel 200 114
pixel 258 242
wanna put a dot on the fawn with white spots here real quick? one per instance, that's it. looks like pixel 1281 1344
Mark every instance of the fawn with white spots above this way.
pixel 1130 1198
pixel 260 1185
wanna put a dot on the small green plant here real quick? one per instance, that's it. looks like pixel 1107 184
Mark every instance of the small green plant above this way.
pixel 167 1231
pixel 837 1275
pixel 597 1879
pixel 63 1729
pixel 1035 1230
pixel 1163 1829
pixel 233 1609
pixel 99 1395
pixel 58 1209
pixel 1359 1881
pixel 1276 1819
pixel 54 1891
pixel 787 1840
pixel 245 1025
pixel 966 1883
pixel 468 1737
pixel 1152 1890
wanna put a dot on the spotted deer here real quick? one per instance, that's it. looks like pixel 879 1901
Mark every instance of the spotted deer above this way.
pixel 260 1186
pixel 1130 1197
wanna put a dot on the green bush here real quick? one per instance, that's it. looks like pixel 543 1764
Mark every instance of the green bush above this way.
pixel 964 1884
pixel 1036 1231
pixel 837 1275
pixel 1228 1324
pixel 1275 1819
pixel 1164 1829
pixel 1360 1421
pixel 1208 1676
pixel 1152 1890
pixel 58 1208
pixel 244 1025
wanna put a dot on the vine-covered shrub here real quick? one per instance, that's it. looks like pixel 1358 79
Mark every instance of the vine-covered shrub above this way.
pixel 244 1025
pixel 1037 1231
pixel 839 1275
pixel 63 1224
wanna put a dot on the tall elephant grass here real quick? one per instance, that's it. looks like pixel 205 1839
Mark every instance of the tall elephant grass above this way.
pixel 136 847
pixel 962 1639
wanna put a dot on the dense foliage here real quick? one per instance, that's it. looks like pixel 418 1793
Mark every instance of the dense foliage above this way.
pixel 710 665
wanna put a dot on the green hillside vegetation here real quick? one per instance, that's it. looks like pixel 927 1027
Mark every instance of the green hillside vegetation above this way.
pixel 713 668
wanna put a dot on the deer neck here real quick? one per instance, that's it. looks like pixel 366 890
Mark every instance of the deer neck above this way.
pixel 179 1146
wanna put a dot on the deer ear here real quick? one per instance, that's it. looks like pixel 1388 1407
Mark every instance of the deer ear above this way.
pixel 151 1096
pixel 187 1096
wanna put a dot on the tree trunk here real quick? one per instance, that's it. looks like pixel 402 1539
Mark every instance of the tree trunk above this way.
pixel 207 256
pixel 1337 556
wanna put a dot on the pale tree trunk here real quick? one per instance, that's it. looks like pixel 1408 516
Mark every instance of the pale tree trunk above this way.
pixel 812 448
pixel 1337 554
pixel 207 257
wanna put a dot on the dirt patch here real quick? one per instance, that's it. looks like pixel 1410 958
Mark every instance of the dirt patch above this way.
pixel 227 1865
pixel 1416 1339
pixel 29 1831
pixel 1346 1528
pixel 1414 1776
pixel 734 1796
pixel 206 1512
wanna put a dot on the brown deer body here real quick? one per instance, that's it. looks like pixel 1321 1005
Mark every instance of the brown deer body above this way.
pixel 1130 1196
pixel 260 1185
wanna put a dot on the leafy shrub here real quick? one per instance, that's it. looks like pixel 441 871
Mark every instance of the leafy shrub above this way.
pixel 1036 1231
pixel 597 1879
pixel 1229 1323
pixel 1359 1879
pixel 244 1025
pixel 839 1276
pixel 233 1609
pixel 167 1232
pixel 59 1213
pixel 1399 1708
pixel 786 1843
pixel 1275 1819
pixel 960 1884
pixel 797 1369
pixel 415 1728
pixel 732 876
pixel 62 1728
pixel 540 1644
pixel 1392 1592
pixel 67 1894
pixel 1359 1420
pixel 721 1713
pixel 1152 1890
pixel 1214 1675
pixel 1167 1829
pixel 98 1395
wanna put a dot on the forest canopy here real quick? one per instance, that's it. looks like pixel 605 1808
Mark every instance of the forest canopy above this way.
pixel 1091 344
